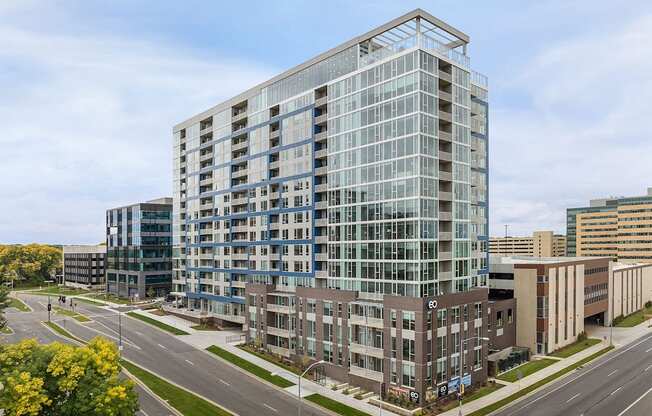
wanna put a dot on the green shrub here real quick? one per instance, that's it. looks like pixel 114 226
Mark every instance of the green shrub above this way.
pixel 582 336
pixel 648 304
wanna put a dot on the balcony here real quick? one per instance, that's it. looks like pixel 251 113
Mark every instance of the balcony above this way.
pixel 284 309
pixel 319 102
pixel 366 373
pixel 445 136
pixel 365 350
pixel 321 222
pixel 322 187
pixel 239 173
pixel 445 255
pixel 445 196
pixel 446 156
pixel 445 115
pixel 321 119
pixel 240 146
pixel 321 204
pixel 279 350
pixel 366 321
pixel 321 154
pixel 445 176
pixel 274 134
pixel 445 96
pixel 321 239
pixel 321 257
pixel 445 76
pixel 321 136
pixel 323 170
pixel 445 216
pixel 279 332
pixel 445 236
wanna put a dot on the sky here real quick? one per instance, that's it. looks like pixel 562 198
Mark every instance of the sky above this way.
pixel 90 90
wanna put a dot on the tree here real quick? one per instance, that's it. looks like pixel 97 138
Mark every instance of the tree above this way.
pixel 151 293
pixel 4 302
pixel 64 380
pixel 32 263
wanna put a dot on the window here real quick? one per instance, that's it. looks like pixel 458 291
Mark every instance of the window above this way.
pixel 441 318
pixel 328 308
pixel 393 317
pixel 408 320
pixel 442 350
pixel 499 319
pixel 311 306
pixel 408 349
pixel 510 317
pixel 455 315
pixel 478 310
pixel 408 374
pixel 328 332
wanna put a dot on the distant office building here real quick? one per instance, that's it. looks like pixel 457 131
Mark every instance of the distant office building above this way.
pixel 354 184
pixel 139 249
pixel 555 295
pixel 83 266
pixel 541 244
pixel 620 228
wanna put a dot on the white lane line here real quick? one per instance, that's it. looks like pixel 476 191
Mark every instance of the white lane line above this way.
pixel 648 350
pixel 143 412
pixel 615 355
pixel 612 373
pixel 270 407
pixel 569 400
pixel 648 367
pixel 615 391
pixel 635 401
pixel 162 346
pixel 224 382
pixel 190 362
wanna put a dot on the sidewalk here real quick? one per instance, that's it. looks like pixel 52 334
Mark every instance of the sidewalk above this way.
pixel 197 338
pixel 307 387
pixel 203 339
pixel 621 337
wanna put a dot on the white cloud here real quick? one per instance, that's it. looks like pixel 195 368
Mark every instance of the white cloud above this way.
pixel 87 124
pixel 580 133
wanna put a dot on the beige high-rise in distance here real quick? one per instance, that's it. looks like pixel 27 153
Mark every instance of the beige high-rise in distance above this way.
pixel 540 244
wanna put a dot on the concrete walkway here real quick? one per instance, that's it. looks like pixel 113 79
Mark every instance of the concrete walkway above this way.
pixel 621 337
pixel 203 339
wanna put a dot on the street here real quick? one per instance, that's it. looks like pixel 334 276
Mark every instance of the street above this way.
pixel 618 384
pixel 166 356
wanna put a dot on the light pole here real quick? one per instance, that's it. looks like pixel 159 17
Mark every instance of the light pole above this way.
pixel 49 303
pixel 120 334
pixel 315 364
pixel 459 387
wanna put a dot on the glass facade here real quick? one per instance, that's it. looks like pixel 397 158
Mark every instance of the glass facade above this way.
pixel 365 171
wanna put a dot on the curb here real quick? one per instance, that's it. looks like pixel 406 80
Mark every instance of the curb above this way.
pixel 260 380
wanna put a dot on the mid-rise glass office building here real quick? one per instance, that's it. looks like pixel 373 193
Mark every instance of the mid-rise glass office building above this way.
pixel 359 178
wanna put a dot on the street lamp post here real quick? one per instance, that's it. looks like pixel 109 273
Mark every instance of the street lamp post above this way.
pixel 315 364
pixel 459 387
pixel 120 333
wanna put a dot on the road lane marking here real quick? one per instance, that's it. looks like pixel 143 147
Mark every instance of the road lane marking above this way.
pixel 648 367
pixel 190 362
pixel 635 401
pixel 162 346
pixel 615 391
pixel 612 373
pixel 270 407
pixel 617 354
pixel 224 382
pixel 568 401
pixel 648 350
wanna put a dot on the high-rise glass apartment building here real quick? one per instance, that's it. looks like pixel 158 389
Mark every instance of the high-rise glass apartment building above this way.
pixel 361 172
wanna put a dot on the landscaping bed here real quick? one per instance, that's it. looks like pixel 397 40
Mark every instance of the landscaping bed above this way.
pixel 249 367
pixel 158 324
pixel 77 316
pixel 335 406
pixel 267 356
pixel 18 304
pixel 525 370
pixel 575 347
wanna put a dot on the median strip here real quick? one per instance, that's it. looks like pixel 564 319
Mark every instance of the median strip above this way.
pixel 185 402
pixel 77 316
pixel 158 324
pixel 504 402
pixel 249 367
pixel 335 406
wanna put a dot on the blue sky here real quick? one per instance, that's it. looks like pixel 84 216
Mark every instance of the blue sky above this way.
pixel 90 91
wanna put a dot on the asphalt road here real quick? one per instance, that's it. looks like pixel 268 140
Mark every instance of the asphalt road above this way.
pixel 177 361
pixel 618 384
pixel 27 325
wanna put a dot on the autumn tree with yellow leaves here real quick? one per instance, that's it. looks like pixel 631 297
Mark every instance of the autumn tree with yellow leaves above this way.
pixel 31 263
pixel 64 380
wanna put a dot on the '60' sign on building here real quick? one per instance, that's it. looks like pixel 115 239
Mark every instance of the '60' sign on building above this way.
pixel 432 304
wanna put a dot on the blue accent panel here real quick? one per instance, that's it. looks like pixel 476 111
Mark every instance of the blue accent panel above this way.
pixel 249 186
pixel 246 271
pixel 250 157
pixel 222 299
pixel 250 128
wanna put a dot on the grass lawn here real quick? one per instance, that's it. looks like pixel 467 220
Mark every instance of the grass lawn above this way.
pixel 160 325
pixel 6 330
pixel 335 406
pixel 525 369
pixel 90 302
pixel 575 347
pixel 56 290
pixel 497 405
pixel 272 360
pixel 633 319
pixel 79 317
pixel 185 402
pixel 109 298
pixel 250 367
pixel 204 328
pixel 18 304
pixel 59 330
